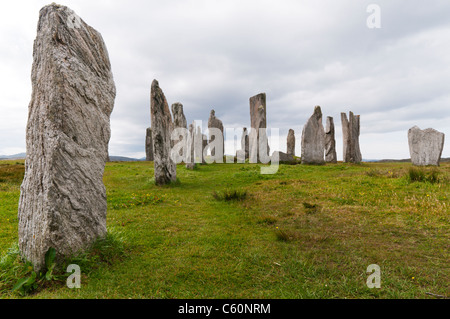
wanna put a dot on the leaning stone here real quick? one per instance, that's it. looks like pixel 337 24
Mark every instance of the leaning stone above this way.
pixel 425 146
pixel 330 142
pixel 149 146
pixel 162 126
pixel 63 198
pixel 313 139
pixel 350 135
pixel 291 143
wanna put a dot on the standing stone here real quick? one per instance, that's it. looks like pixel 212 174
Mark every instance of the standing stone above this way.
pixel 190 160
pixel 425 146
pixel 330 142
pixel 63 198
pixel 200 144
pixel 149 146
pixel 214 122
pixel 313 139
pixel 179 121
pixel 162 126
pixel 350 134
pixel 245 143
pixel 291 143
pixel 258 121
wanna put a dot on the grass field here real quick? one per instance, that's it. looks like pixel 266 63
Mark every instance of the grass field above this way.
pixel 306 232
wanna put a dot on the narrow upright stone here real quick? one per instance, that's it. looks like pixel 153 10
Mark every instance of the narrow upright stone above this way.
pixel 214 122
pixel 350 135
pixel 190 160
pixel 330 142
pixel 313 139
pixel 258 121
pixel 245 143
pixel 149 146
pixel 179 120
pixel 425 146
pixel 165 168
pixel 63 198
pixel 291 143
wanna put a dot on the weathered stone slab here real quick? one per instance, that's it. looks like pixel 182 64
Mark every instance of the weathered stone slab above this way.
pixel 149 145
pixel 245 143
pixel 425 146
pixel 350 135
pixel 258 135
pixel 313 139
pixel 63 199
pixel 291 143
pixel 214 122
pixel 330 142
pixel 162 126
pixel 190 159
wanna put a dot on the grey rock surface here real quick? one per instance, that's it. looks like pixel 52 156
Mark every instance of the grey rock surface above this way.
pixel 245 143
pixel 162 126
pixel 258 121
pixel 179 121
pixel 350 135
pixel 190 160
pixel 149 145
pixel 313 139
pixel 214 122
pixel 330 141
pixel 425 146
pixel 291 143
pixel 63 199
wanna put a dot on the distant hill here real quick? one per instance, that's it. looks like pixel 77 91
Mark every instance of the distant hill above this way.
pixel 124 159
pixel 13 157
pixel 408 160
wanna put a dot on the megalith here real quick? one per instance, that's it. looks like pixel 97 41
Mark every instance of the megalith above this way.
pixel 245 143
pixel 313 139
pixel 162 126
pixel 149 145
pixel 258 134
pixel 350 135
pixel 190 159
pixel 330 142
pixel 290 149
pixel 214 122
pixel 425 146
pixel 179 122
pixel 63 199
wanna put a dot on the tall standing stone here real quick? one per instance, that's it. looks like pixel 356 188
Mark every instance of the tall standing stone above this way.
pixel 425 146
pixel 149 145
pixel 190 160
pixel 330 142
pixel 162 126
pixel 179 121
pixel 290 150
pixel 245 143
pixel 313 139
pixel 63 198
pixel 258 121
pixel 214 122
pixel 350 135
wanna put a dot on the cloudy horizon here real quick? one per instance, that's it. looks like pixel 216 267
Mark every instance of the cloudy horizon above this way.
pixel 217 54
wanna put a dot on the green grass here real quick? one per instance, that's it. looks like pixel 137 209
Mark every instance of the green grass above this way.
pixel 306 232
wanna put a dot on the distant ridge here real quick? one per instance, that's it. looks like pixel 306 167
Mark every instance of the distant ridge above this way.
pixel 13 157
pixel 124 159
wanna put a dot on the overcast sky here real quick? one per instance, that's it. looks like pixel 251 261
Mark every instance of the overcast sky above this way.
pixel 217 54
